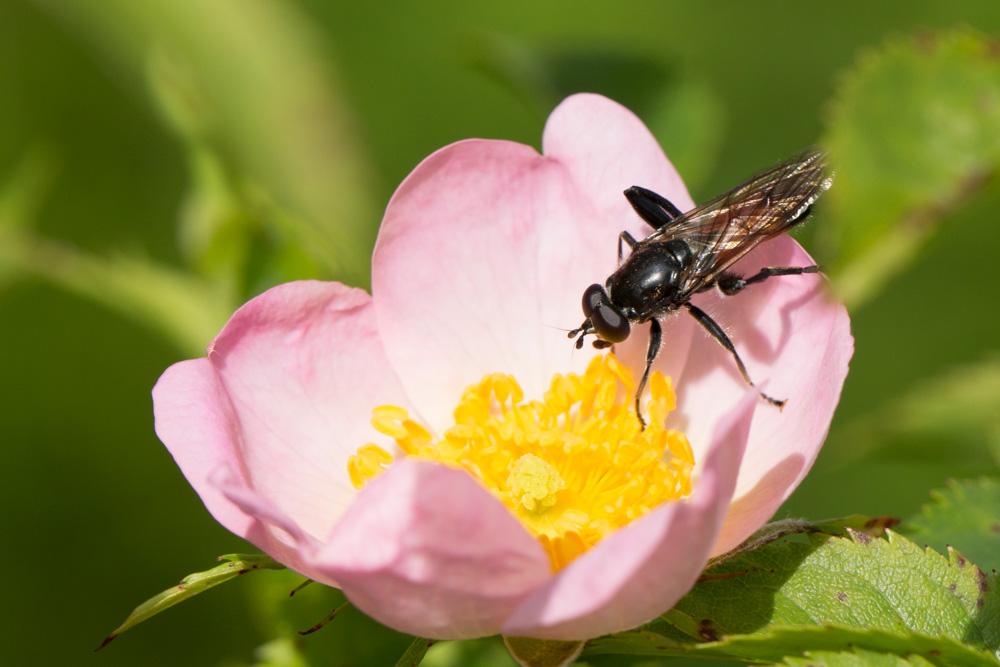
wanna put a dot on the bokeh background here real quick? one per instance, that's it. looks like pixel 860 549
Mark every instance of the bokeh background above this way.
pixel 162 161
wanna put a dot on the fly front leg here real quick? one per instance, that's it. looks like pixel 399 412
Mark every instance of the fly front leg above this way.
pixel 629 240
pixel 712 327
pixel 655 336
pixel 655 209
pixel 730 283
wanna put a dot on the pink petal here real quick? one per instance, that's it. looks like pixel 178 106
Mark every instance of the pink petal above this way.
pixel 427 551
pixel 283 400
pixel 487 246
pixel 643 569
pixel 606 148
pixel 196 422
pixel 796 342
pixel 199 429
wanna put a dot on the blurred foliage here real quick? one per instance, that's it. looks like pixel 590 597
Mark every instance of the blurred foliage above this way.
pixel 914 131
pixel 541 652
pixel 162 161
pixel 683 110
pixel 261 93
pixel 965 515
pixel 959 406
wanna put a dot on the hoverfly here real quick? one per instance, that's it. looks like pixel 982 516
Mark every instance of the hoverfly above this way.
pixel 692 252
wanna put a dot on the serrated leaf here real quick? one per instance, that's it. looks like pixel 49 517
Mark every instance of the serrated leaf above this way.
pixel 542 652
pixel 233 566
pixel 914 130
pixel 779 643
pixel 787 597
pixel 776 530
pixel 888 584
pixel 858 658
pixel 964 515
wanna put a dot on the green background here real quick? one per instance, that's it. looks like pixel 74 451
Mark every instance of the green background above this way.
pixel 96 516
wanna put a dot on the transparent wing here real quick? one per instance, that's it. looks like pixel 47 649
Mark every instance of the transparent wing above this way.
pixel 723 230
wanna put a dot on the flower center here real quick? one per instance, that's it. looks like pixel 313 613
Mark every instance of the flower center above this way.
pixel 534 483
pixel 571 467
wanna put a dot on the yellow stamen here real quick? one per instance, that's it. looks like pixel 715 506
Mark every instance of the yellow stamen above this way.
pixel 571 467
pixel 367 463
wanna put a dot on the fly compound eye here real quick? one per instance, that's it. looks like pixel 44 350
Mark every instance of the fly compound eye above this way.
pixel 609 323
pixel 593 296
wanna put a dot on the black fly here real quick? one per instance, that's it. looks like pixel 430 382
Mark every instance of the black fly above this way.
pixel 691 252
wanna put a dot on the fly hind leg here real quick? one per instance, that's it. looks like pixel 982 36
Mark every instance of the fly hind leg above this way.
pixel 712 327
pixel 730 283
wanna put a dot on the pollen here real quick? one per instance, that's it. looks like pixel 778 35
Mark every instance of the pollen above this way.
pixel 572 467
pixel 534 483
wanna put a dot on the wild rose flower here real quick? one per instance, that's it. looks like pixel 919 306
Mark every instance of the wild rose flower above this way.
pixel 443 454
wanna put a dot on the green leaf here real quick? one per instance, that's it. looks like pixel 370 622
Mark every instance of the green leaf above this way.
pixel 965 515
pixel 415 652
pixel 860 581
pixel 781 643
pixel 914 131
pixel 858 658
pixel 792 590
pixel 776 530
pixel 542 652
pixel 193 584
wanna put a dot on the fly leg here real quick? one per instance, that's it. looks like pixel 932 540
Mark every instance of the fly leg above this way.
pixel 656 210
pixel 629 240
pixel 730 283
pixel 718 334
pixel 655 336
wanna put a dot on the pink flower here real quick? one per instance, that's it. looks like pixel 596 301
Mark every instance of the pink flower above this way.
pixel 484 252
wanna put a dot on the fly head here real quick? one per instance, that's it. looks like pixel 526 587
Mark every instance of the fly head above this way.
pixel 604 319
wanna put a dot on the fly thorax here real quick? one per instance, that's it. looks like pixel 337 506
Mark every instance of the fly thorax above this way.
pixel 648 276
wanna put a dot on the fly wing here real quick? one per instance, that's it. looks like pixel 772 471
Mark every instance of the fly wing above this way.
pixel 726 228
